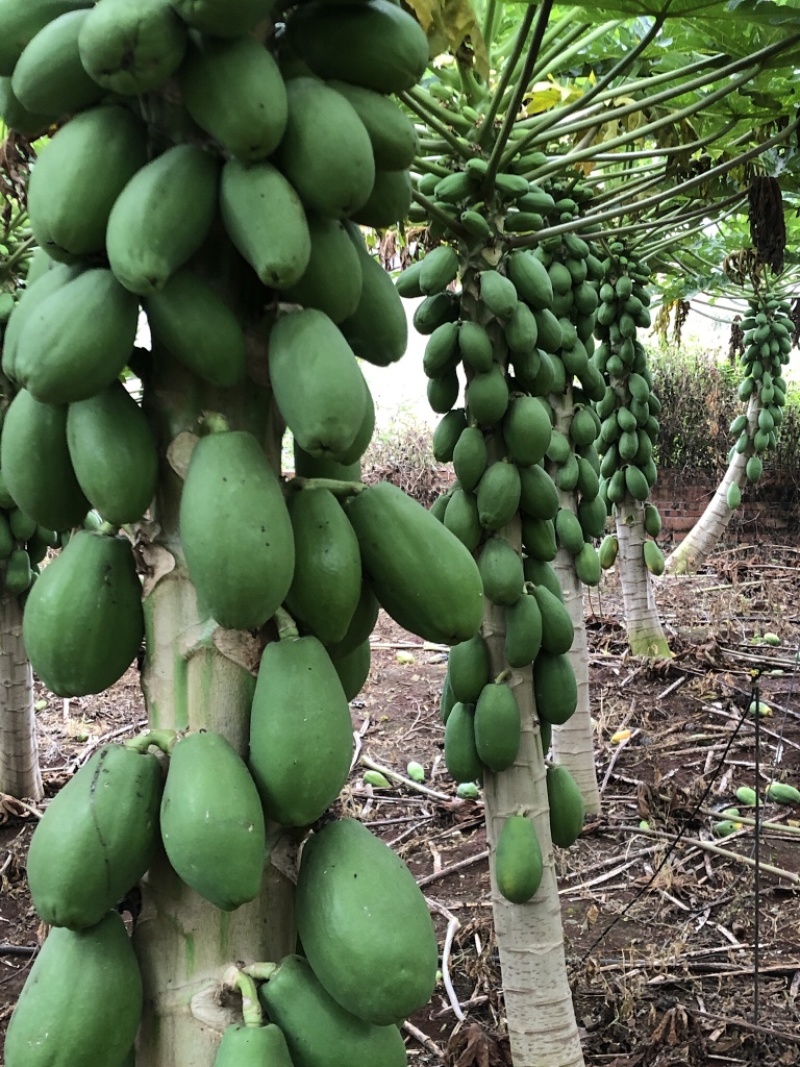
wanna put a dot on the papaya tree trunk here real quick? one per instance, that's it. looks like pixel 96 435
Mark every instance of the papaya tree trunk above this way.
pixel 19 757
pixel 645 632
pixel 197 676
pixel 541 1019
pixel 707 532
pixel 573 743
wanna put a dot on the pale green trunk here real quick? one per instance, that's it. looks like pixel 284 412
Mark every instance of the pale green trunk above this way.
pixel 645 633
pixel 541 1019
pixel 707 532
pixel 197 676
pixel 19 756
pixel 573 743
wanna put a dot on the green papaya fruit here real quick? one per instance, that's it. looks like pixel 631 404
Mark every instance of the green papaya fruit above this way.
pixel 361 625
pixel 391 132
pixel 531 279
pixel 236 532
pixel 566 806
pixel 353 669
pixel 233 90
pixel 523 638
pixel 77 340
pixel 652 520
pixel 97 838
pixel 554 687
pixel 388 203
pixel 56 1020
pixel 318 1031
pixel 540 572
pixel 301 736
pixel 19 24
pixel 398 537
pixel 317 383
pixel 538 493
pixel 470 457
pixel 15 116
pixel 18 574
pixel 446 436
pixel 353 894
pixel 223 18
pixel 198 327
pixel 371 43
pixel 587 565
pixel 37 469
pixel 469 669
pixel 377 331
pixel 7 540
pixel 475 346
pixel 325 151
pixel 252 1046
pixel 308 466
pixel 498 293
pixel 539 538
pixel 83 622
pixel 653 558
pixel 265 219
pixel 497 726
pixel 337 292
pixel 462 519
pixel 568 531
pixel 326 585
pixel 557 627
pixel 527 430
pixel 22 526
pixel 113 454
pixel 132 46
pixel 34 294
pixel 500 569
pixel 212 825
pixel 79 175
pixel 177 194
pixel 518 860
pixel 488 396
pixel 498 495
pixel 460 754
pixel 49 77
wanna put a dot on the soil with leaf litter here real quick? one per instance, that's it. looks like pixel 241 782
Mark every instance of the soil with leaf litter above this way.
pixel 664 933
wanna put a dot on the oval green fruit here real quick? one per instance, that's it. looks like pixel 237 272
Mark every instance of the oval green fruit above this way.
pixel 518 860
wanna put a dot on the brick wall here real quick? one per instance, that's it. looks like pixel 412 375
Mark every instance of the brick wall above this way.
pixel 769 511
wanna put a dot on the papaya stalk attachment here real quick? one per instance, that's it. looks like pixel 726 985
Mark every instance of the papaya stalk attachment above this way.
pixel 213 422
pixel 162 739
pixel 286 625
pixel 261 972
pixel 234 978
pixel 333 485
pixel 108 529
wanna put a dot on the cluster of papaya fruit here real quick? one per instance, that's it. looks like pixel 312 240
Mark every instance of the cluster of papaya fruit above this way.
pixel 514 326
pixel 768 330
pixel 628 408
pixel 99 837
pixel 282 150
pixel 23 546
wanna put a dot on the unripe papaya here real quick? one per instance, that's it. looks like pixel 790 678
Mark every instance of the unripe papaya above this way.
pixel 265 219
pixel 212 824
pixel 325 151
pixel 392 133
pixel 327 578
pixel 317 383
pixel 236 531
pixel 349 881
pixel 653 558
pixel 132 46
pixel 83 622
pixel 353 669
pixel 377 331
pixel 223 18
pixel 555 688
pixel 301 736
pixel 497 726
pixel 518 860
pixel 49 77
pixel 460 754
pixel 177 194
pixel 398 537
pixel 566 806
pixel 501 572
pixel 320 1032
pixel 55 1021
pixel 523 632
pixel 233 90
pixel 96 839
pixel 469 669
pixel 251 1046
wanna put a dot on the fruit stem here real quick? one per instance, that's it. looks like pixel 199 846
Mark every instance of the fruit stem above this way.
pixel 333 485
pixel 503 676
pixel 261 972
pixel 161 739
pixel 251 1009
pixel 107 529
pixel 213 422
pixel 287 627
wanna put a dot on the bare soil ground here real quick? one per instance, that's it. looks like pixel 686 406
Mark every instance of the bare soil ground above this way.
pixel 664 923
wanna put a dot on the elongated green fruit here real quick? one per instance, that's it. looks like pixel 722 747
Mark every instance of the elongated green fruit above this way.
pixel 518 860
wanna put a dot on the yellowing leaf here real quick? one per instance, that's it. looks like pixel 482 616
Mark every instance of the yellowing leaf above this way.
pixel 542 99
pixel 449 24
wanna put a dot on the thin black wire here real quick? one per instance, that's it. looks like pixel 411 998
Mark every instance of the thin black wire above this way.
pixel 757 857
pixel 673 845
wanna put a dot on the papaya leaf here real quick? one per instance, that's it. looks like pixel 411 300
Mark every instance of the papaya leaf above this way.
pixel 449 24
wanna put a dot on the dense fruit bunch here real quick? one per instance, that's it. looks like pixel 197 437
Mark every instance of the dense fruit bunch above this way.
pixel 768 331
pixel 216 184
pixel 628 408
pixel 513 327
